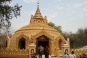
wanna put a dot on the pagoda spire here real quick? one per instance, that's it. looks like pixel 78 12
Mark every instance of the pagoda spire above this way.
pixel 38 3
pixel 38 14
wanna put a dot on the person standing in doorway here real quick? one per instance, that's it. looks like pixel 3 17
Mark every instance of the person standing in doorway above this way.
pixel 40 51
pixel 46 52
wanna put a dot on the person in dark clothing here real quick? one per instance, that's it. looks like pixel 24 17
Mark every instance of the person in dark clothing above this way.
pixel 46 52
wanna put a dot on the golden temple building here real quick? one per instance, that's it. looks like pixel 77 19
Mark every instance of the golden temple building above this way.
pixel 32 35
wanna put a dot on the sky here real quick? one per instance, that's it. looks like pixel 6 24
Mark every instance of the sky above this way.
pixel 69 14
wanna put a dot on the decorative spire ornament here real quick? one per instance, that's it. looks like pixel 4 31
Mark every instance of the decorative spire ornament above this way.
pixel 38 14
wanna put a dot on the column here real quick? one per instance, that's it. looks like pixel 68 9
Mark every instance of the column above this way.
pixel 52 48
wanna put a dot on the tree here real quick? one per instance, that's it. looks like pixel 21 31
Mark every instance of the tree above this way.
pixel 58 28
pixel 7 12
pixel 78 39
pixel 72 40
pixel 3 42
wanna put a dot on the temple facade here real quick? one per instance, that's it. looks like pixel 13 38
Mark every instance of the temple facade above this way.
pixel 32 35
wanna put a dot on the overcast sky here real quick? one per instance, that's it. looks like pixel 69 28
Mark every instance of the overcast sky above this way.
pixel 70 14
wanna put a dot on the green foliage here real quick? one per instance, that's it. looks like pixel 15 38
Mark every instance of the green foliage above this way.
pixel 58 28
pixel 51 24
pixel 72 40
pixel 82 36
pixel 78 39
pixel 7 12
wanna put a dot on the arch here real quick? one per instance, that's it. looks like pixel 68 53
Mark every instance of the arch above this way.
pixel 62 38
pixel 42 41
pixel 32 51
pixel 22 43
pixel 66 51
pixel 60 43
pixel 42 37
pixel 19 38
pixel 42 33
pixel 6 44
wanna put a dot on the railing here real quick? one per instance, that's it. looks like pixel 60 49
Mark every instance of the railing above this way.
pixel 10 52
pixel 79 51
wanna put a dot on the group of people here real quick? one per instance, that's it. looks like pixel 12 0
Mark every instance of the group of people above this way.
pixel 43 50
pixel 83 56
pixel 66 55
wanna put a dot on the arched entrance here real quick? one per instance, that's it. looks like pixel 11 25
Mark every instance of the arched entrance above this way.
pixel 42 40
pixel 60 43
pixel 21 44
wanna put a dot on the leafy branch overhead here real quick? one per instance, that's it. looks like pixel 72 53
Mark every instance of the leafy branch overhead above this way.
pixel 58 28
pixel 7 12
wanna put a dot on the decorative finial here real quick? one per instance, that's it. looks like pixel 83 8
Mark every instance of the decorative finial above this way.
pixel 38 3
pixel 38 14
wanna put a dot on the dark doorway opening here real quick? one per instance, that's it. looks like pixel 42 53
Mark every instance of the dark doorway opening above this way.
pixel 60 43
pixel 22 43
pixel 43 43
pixel 42 40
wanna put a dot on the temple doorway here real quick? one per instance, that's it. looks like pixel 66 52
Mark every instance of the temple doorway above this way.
pixel 42 40
pixel 21 43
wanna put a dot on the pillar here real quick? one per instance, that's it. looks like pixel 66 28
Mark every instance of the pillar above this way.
pixel 32 46
pixel 52 47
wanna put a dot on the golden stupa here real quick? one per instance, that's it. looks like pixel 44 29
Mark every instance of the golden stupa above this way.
pixel 36 33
